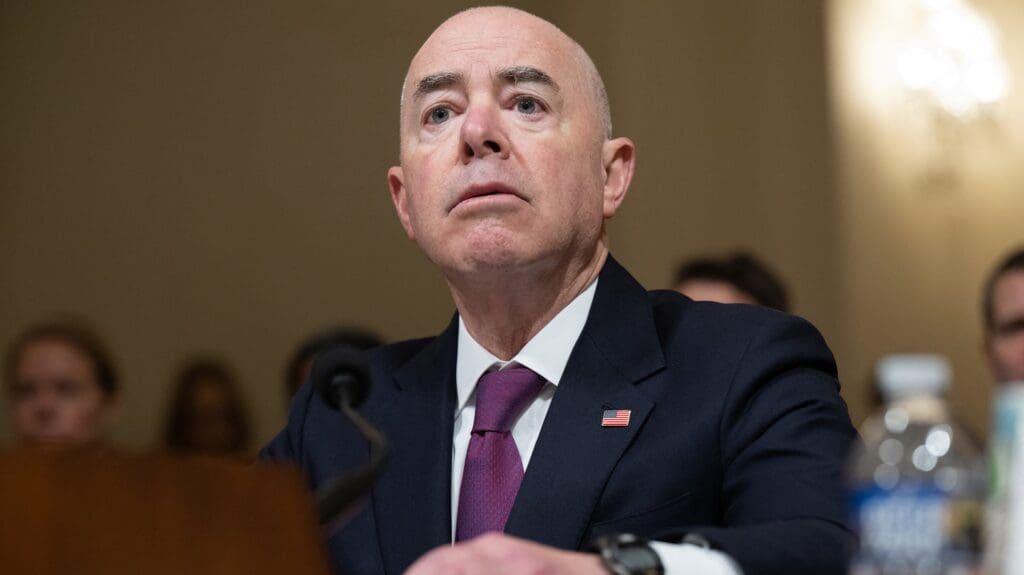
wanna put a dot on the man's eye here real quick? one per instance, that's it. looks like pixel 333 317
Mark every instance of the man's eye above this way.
pixel 527 105
pixel 439 115
pixel 1011 328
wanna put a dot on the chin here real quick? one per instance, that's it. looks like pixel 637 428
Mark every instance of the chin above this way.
pixel 490 262
pixel 489 252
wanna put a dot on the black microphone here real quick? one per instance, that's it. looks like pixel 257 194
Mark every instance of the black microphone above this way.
pixel 342 379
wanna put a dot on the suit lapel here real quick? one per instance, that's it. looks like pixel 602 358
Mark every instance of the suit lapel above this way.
pixel 412 499
pixel 574 454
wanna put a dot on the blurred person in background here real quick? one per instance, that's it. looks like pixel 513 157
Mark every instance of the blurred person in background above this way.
pixel 736 278
pixel 297 370
pixel 62 386
pixel 207 413
pixel 1003 312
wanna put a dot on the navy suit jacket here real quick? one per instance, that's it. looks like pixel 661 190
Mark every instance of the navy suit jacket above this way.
pixel 738 433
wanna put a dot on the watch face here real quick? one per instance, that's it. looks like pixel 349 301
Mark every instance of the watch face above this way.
pixel 639 559
pixel 627 554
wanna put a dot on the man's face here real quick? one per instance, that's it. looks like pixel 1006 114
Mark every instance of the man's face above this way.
pixel 1005 344
pixel 56 398
pixel 504 162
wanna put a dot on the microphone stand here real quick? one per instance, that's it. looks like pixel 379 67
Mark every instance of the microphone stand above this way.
pixel 337 497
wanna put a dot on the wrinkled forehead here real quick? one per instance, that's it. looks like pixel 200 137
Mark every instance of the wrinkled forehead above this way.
pixel 478 44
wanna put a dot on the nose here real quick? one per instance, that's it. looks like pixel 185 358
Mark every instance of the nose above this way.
pixel 44 410
pixel 45 399
pixel 483 133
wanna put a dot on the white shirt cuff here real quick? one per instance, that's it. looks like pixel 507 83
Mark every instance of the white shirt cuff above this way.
pixel 686 559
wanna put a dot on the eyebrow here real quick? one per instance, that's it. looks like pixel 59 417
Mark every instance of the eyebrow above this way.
pixel 435 82
pixel 527 74
pixel 512 75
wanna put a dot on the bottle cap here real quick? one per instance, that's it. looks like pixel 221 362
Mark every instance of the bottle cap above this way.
pixel 904 375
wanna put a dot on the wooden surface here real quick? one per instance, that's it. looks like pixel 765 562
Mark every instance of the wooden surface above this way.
pixel 104 512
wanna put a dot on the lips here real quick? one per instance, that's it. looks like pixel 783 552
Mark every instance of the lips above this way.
pixel 484 190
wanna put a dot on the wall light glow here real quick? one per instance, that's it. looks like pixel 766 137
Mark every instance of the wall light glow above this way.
pixel 951 57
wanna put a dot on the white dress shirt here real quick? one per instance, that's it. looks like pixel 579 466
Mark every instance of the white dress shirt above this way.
pixel 547 354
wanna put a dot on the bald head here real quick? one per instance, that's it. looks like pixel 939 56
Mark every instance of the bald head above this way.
pixel 503 21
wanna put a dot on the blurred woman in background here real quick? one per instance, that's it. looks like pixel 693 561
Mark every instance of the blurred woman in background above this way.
pixel 207 413
pixel 62 386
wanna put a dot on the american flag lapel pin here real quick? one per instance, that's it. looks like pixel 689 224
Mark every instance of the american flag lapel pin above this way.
pixel 615 418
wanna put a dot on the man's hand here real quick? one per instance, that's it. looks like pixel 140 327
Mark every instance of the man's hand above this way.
pixel 499 554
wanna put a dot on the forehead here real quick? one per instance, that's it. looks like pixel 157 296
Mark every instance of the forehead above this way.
pixel 53 358
pixel 714 290
pixel 208 390
pixel 484 42
pixel 51 351
pixel 1008 294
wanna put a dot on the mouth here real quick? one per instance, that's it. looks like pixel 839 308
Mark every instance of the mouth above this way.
pixel 484 191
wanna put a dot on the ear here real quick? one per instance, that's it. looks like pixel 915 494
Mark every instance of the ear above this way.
pixel 400 197
pixel 619 158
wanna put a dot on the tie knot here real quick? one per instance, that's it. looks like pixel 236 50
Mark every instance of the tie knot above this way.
pixel 502 395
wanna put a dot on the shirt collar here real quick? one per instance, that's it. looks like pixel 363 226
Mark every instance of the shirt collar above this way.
pixel 546 353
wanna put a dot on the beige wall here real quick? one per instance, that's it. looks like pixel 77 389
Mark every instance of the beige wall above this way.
pixel 210 176
pixel 914 251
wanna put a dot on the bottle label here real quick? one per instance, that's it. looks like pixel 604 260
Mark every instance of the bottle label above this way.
pixel 915 529
pixel 1005 513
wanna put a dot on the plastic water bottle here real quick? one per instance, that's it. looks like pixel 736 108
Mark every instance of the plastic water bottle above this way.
pixel 917 483
pixel 1004 516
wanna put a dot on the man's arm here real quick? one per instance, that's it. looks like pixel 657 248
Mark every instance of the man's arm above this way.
pixel 785 434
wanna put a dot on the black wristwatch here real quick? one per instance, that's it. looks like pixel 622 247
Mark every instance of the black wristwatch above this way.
pixel 625 554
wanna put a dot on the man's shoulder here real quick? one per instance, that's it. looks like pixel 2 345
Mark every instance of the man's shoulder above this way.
pixel 716 328
pixel 675 311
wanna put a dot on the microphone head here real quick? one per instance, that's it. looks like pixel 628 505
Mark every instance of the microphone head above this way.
pixel 340 375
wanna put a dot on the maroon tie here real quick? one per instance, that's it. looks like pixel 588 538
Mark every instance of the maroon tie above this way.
pixel 493 470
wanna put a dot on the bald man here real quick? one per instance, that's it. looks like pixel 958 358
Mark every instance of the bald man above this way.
pixel 567 420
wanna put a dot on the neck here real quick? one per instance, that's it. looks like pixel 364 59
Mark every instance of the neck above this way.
pixel 503 311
